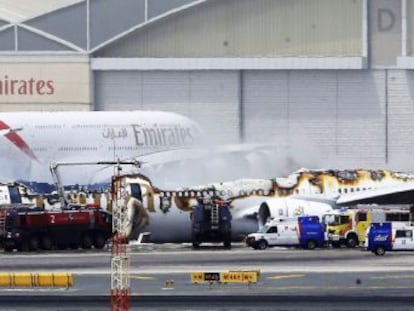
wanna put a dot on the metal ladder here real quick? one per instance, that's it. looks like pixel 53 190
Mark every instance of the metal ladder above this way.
pixel 214 217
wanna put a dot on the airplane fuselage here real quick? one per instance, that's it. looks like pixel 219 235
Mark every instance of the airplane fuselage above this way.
pixel 30 141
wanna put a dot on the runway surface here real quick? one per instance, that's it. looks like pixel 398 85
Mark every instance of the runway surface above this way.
pixel 291 279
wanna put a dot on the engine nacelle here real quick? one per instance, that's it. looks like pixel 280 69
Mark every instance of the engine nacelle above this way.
pixel 290 207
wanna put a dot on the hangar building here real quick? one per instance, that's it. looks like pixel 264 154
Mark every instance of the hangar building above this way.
pixel 332 78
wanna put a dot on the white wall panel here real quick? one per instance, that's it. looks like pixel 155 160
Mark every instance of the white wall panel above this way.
pixel 331 117
pixel 209 97
pixel 401 118
pixel 266 109
pixel 361 117
pixel 312 110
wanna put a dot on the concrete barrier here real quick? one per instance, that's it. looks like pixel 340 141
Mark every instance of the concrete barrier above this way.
pixel 43 279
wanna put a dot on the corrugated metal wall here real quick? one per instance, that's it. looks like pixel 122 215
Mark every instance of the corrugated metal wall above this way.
pixel 410 27
pixel 400 117
pixel 248 28
pixel 340 118
pixel 338 114
pixel 209 97
pixel 337 118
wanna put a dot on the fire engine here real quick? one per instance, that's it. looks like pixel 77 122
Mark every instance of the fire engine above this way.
pixel 348 226
pixel 30 229
pixel 211 222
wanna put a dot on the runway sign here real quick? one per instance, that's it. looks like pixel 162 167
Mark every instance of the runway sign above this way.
pixel 226 277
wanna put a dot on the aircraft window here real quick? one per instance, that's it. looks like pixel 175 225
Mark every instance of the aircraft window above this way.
pixel 345 190
pixel 352 189
pixel 40 149
pixel 339 190
pixel 15 195
pixel 297 191
pixel 51 126
pixel 136 191
pixel 408 234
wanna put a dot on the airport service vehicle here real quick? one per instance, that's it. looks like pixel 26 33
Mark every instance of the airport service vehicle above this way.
pixel 303 231
pixel 30 229
pixel 348 226
pixel 383 237
pixel 211 222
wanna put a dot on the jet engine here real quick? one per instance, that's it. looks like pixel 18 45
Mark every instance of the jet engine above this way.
pixel 279 208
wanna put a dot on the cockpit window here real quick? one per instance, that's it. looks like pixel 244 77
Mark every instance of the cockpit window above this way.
pixel 136 191
pixel 15 195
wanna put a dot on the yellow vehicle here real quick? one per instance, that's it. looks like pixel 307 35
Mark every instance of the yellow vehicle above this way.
pixel 348 227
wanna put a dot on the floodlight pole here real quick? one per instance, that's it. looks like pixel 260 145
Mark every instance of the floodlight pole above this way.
pixel 120 285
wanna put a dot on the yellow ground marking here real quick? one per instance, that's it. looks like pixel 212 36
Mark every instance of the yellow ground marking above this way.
pixel 141 277
pixel 289 276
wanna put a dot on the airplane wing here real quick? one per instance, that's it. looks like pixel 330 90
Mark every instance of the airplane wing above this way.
pixel 399 194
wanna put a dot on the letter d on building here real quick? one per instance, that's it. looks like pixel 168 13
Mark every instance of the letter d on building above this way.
pixel 386 19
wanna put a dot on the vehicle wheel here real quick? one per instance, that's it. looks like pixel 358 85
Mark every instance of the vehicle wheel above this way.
pixel 34 243
pixel 99 241
pixel 46 242
pixel 262 244
pixel 87 241
pixel 336 244
pixel 74 246
pixel 227 244
pixel 196 245
pixel 352 241
pixel 380 251
pixel 310 244
pixel 23 247
pixel 8 249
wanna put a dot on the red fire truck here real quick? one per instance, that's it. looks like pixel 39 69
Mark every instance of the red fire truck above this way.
pixel 30 229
